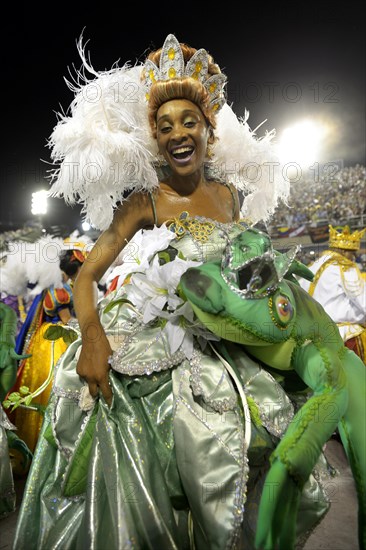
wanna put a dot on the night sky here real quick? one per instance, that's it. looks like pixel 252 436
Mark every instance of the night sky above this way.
pixel 281 64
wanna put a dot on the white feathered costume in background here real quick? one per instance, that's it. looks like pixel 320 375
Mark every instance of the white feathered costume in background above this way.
pixel 35 263
pixel 104 149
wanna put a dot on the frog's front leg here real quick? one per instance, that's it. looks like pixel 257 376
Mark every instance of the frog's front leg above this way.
pixel 353 432
pixel 296 455
pixel 7 380
pixel 8 356
pixel 23 454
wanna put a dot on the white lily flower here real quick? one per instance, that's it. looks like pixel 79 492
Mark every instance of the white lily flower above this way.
pixel 179 337
pixel 170 275
pixel 137 254
pixel 176 329
pixel 155 289
pixel 181 328
pixel 153 308
pixel 154 293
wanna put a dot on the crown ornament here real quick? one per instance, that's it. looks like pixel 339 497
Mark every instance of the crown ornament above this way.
pixel 172 66
pixel 342 237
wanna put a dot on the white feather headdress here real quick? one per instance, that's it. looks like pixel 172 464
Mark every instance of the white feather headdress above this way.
pixel 104 149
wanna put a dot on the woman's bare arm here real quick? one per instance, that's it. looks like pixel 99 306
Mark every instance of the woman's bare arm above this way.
pixel 93 362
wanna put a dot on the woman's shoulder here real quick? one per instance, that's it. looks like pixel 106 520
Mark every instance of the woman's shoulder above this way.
pixel 136 208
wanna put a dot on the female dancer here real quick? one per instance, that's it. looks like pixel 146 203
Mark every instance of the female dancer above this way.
pixel 148 441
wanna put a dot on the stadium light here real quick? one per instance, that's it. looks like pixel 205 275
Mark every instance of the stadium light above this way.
pixel 39 203
pixel 301 143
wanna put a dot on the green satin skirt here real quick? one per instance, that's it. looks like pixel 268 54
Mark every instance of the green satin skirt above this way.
pixel 170 464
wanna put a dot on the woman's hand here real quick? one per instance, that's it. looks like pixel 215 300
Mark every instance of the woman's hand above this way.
pixel 93 364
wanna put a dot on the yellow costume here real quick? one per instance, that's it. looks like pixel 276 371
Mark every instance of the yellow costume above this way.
pixel 33 372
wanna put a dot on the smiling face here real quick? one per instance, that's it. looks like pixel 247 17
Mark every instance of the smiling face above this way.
pixel 182 135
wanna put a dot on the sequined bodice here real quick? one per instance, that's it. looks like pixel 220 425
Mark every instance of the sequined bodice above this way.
pixel 200 238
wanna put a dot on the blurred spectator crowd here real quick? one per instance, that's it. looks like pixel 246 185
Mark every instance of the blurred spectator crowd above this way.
pixel 337 199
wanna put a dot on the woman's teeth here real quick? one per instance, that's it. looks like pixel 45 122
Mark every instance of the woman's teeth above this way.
pixel 182 152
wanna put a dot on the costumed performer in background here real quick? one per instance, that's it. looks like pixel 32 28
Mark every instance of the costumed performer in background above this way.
pixel 52 267
pixel 339 286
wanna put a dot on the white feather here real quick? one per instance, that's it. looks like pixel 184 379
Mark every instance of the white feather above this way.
pixel 104 149
pixel 43 262
pixel 13 277
pixel 37 263
pixel 250 163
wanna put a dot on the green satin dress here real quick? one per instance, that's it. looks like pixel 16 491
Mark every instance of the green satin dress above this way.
pixel 169 465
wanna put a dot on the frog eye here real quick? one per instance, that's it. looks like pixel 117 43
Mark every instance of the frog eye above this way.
pixel 283 309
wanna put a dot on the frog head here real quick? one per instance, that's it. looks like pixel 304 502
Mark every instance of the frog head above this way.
pixel 245 297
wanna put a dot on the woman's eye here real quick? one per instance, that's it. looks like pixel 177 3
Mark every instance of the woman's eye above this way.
pixel 189 124
pixel 165 129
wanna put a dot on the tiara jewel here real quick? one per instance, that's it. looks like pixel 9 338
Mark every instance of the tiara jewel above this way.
pixel 171 60
pixel 197 66
pixel 172 66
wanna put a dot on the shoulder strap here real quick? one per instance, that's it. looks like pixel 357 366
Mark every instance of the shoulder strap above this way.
pixel 233 195
pixel 153 208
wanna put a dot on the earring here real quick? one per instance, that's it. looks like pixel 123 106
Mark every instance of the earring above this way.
pixel 209 151
pixel 160 160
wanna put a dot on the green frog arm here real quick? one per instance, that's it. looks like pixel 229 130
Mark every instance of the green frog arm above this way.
pixel 8 357
pixel 297 453
pixel 14 442
pixel 352 431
